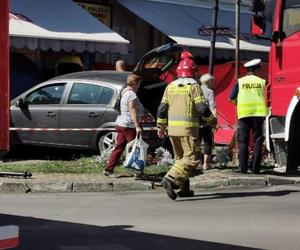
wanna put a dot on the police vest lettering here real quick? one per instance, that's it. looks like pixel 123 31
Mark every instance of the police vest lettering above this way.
pixel 251 85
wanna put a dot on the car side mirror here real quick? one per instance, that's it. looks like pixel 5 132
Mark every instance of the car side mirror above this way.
pixel 258 25
pixel 21 103
pixel 278 36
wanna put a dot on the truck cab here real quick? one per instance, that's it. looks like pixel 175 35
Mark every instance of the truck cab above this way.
pixel 283 123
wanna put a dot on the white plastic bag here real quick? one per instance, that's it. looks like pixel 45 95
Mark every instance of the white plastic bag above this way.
pixel 136 154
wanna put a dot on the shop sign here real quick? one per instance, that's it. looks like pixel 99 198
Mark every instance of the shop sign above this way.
pixel 101 12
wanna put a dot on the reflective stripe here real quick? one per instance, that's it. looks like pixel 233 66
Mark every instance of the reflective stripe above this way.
pixel 162 120
pixel 165 100
pixel 183 124
pixel 175 90
pixel 208 119
pixel 183 118
pixel 199 99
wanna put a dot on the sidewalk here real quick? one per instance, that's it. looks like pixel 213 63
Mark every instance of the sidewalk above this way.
pixel 210 179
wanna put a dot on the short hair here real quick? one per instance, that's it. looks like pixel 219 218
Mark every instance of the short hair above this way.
pixel 206 78
pixel 120 65
pixel 133 79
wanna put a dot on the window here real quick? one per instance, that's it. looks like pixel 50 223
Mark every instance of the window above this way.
pixel 83 93
pixel 106 96
pixel 291 17
pixel 159 62
pixel 50 94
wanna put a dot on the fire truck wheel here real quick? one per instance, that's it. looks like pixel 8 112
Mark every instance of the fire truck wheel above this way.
pixel 107 141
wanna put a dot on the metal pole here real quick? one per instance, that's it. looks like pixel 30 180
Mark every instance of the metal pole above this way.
pixel 4 76
pixel 237 66
pixel 213 38
pixel 237 39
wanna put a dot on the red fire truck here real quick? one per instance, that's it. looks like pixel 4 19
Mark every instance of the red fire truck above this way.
pixel 283 123
pixel 4 75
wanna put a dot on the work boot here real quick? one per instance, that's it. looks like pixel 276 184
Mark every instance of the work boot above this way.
pixel 185 191
pixel 169 186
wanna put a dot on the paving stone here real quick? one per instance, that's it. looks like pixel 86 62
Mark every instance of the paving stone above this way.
pixel 210 184
pixel 92 187
pixel 51 187
pixel 10 187
pixel 247 181
pixel 275 180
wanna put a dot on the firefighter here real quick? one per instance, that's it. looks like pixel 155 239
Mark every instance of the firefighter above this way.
pixel 249 97
pixel 179 111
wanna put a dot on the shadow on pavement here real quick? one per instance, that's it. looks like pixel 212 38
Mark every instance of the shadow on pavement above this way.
pixel 36 234
pixel 238 195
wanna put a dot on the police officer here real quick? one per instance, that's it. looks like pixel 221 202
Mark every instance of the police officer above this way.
pixel 249 96
pixel 179 110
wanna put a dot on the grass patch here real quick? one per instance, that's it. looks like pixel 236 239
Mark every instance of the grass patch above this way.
pixel 83 165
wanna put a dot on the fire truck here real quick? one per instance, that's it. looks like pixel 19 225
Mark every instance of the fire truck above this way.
pixel 283 122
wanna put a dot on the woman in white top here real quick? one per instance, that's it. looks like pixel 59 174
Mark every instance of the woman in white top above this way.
pixel 128 122
pixel 206 131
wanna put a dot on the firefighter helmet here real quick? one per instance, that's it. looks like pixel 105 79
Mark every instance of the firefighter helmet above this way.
pixel 186 68
pixel 186 54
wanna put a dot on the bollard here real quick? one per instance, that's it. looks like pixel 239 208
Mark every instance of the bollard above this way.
pixel 9 237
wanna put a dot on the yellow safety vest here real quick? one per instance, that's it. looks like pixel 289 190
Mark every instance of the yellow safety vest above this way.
pixel 251 97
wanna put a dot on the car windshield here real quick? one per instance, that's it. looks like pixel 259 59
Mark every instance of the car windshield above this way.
pixel 291 17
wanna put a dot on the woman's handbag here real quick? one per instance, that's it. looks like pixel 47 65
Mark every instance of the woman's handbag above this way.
pixel 136 154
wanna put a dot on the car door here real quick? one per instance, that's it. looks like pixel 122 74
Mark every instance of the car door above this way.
pixel 157 61
pixel 155 68
pixel 85 108
pixel 36 119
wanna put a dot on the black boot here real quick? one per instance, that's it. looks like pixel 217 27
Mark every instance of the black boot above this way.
pixel 169 186
pixel 185 191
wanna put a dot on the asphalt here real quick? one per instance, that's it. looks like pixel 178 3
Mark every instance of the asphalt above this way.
pixel 210 179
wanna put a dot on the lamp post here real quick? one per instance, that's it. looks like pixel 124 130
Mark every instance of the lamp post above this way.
pixel 237 38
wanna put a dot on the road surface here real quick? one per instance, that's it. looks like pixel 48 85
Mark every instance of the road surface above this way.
pixel 267 218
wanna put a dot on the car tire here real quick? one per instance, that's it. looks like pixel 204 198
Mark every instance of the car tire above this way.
pixel 107 141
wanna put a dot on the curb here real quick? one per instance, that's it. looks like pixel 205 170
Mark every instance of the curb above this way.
pixel 243 181
pixel 63 187
pixel 140 185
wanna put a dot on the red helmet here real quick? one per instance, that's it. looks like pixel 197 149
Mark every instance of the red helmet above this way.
pixel 186 68
pixel 186 54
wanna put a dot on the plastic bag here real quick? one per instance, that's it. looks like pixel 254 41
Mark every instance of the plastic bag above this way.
pixel 136 154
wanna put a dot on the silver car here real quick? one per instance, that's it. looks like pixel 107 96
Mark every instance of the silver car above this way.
pixel 77 110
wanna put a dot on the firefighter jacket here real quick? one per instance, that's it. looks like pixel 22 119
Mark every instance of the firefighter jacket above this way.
pixel 180 108
pixel 251 97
